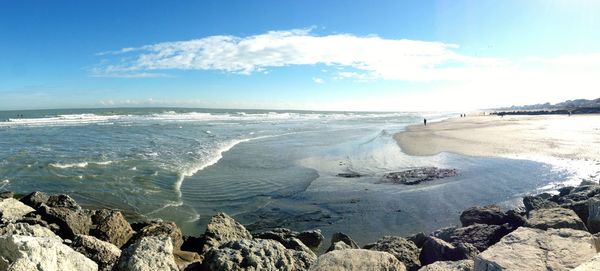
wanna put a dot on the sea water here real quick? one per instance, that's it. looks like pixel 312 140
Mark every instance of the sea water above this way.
pixel 266 168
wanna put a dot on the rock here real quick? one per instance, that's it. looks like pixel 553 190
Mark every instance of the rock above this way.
pixel 581 208
pixel 535 249
pixel 26 230
pixel 419 175
pixel 187 259
pixel 405 251
pixel 167 228
pixel 554 218
pixel 341 237
pixel 289 238
pixel 418 239
pixel 357 260
pixel 35 199
pixel 6 195
pixel 192 243
pixel 491 215
pixel 339 246
pixel 349 175
pixel 514 219
pixel 221 229
pixel 148 253
pixel 563 191
pixel 111 226
pixel 40 253
pixel 312 238
pixel 591 265
pixel 12 209
pixel 462 265
pixel 71 220
pixel 435 249
pixel 593 220
pixel 257 254
pixel 103 253
pixel 537 202
pixel 62 201
pixel 479 235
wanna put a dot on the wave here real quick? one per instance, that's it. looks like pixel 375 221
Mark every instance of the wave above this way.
pixel 4 183
pixel 79 164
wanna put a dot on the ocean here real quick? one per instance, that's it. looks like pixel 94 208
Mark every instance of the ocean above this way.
pixel 265 168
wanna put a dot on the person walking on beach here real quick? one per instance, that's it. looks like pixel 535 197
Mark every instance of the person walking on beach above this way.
pixel 425 122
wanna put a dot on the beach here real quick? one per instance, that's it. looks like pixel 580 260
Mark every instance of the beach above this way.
pixel 575 138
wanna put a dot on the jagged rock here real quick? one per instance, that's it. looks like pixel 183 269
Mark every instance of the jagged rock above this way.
pixel 341 237
pixel 6 195
pixel 290 239
pixel 435 249
pixel 192 243
pixel 535 249
pixel 167 228
pixel 593 220
pixel 479 235
pixel 187 260
pixel 418 239
pixel 591 265
pixel 26 230
pixel 339 246
pixel 257 254
pixel 515 219
pixel 462 265
pixel 12 209
pixel 111 226
pixel 554 218
pixel 148 253
pixel 357 260
pixel 312 238
pixel 491 215
pixel 40 253
pixel 537 202
pixel 419 175
pixel 405 251
pixel 63 201
pixel 35 199
pixel 71 220
pixel 221 229
pixel 581 208
pixel 563 191
pixel 103 253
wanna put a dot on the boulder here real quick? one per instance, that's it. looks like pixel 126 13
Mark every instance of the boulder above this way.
pixel 71 220
pixel 187 260
pixel 462 265
pixel 535 249
pixel 192 243
pixel 479 235
pixel 20 252
pixel 357 260
pixel 491 215
pixel 593 220
pixel 341 237
pixel 111 226
pixel 221 229
pixel 312 238
pixel 148 253
pixel 435 249
pixel 592 264
pixel 12 209
pixel 581 208
pixel 35 199
pixel 554 218
pixel 339 246
pixel 26 230
pixel 63 201
pixel 6 195
pixel 405 251
pixel 257 254
pixel 167 228
pixel 418 239
pixel 537 202
pixel 290 239
pixel 103 253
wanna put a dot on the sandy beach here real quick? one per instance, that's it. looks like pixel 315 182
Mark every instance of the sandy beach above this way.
pixel 563 137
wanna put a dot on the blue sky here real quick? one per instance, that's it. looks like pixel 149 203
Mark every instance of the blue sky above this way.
pixel 330 55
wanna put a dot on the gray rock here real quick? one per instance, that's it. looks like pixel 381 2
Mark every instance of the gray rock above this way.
pixel 40 253
pixel 12 209
pixel 103 253
pixel 70 219
pixel 593 220
pixel 147 254
pixel 312 238
pixel 554 218
pixel 339 246
pixel 357 260
pixel 435 249
pixel 257 254
pixel 63 201
pixel 591 265
pixel 221 229
pixel 462 265
pixel 535 249
pixel 111 226
pixel 187 260
pixel 289 238
pixel 537 202
pixel 418 239
pixel 405 251
pixel 26 230
pixel 479 235
pixel 6 195
pixel 341 237
pixel 491 215
pixel 35 199
pixel 419 175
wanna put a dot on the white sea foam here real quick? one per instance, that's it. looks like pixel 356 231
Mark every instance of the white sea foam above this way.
pixel 4 183
pixel 78 165
pixel 104 163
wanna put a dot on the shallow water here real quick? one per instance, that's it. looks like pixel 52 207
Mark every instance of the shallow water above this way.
pixel 265 168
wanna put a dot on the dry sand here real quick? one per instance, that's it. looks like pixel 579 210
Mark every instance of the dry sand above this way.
pixel 557 136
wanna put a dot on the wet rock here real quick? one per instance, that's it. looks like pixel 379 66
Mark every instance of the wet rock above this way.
pixel 419 175
pixel 221 229
pixel 6 195
pixel 462 265
pixel 479 235
pixel 404 250
pixel 148 253
pixel 257 254
pixel 341 237
pixel 435 249
pixel 111 226
pixel 26 230
pixel 491 215
pixel 349 175
pixel 537 202
pixel 418 239
pixel 40 253
pixel 535 249
pixel 554 218
pixel 103 253
pixel 35 199
pixel 312 238
pixel 357 260
pixel 71 220
pixel 12 209
pixel 593 221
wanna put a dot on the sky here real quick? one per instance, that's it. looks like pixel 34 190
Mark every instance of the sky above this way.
pixel 310 54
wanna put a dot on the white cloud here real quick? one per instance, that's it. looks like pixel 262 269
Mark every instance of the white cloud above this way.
pixel 318 80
